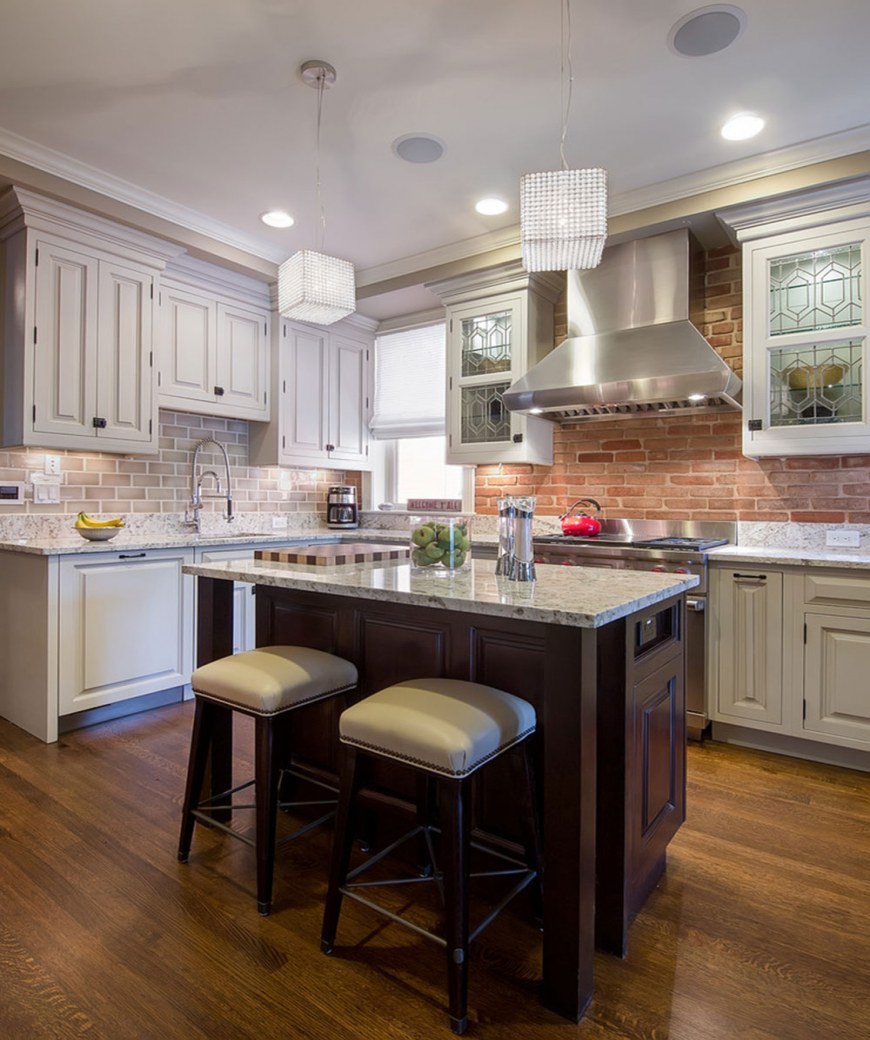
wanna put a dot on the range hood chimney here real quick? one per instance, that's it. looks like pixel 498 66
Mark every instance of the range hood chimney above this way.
pixel 633 346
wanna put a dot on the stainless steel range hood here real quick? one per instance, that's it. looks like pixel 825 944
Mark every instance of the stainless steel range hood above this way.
pixel 633 346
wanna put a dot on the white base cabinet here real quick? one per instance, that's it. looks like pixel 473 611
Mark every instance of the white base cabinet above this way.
pixel 789 652
pixel 87 630
pixel 125 626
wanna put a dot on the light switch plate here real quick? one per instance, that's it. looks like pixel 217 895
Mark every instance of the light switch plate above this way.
pixel 843 539
pixel 279 523
pixel 52 465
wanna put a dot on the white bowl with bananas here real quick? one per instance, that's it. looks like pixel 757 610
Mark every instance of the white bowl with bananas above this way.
pixel 98 530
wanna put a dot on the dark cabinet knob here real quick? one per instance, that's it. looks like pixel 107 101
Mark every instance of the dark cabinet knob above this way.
pixel 330 447
pixel 100 424
pixel 219 391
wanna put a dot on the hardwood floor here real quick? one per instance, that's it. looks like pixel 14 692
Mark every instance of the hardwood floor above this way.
pixel 760 929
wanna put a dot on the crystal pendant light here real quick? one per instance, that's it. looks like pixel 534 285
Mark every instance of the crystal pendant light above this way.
pixel 563 213
pixel 312 286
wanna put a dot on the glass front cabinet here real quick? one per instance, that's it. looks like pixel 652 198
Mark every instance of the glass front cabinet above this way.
pixel 494 337
pixel 806 329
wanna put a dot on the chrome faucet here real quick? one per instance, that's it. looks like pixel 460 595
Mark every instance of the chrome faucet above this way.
pixel 192 513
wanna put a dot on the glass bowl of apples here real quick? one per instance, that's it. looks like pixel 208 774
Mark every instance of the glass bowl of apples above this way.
pixel 440 544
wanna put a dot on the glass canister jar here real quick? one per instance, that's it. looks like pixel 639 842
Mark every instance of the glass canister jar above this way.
pixel 440 544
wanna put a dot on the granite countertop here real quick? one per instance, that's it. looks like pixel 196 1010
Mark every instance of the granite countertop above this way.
pixel 585 597
pixel 129 541
pixel 799 557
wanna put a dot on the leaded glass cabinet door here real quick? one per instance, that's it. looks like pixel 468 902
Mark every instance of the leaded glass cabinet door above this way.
pixel 487 351
pixel 806 344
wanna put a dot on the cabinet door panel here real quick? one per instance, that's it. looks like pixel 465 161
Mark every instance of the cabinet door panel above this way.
pixel 748 606
pixel 187 345
pixel 347 398
pixel 124 381
pixel 306 402
pixel 65 357
pixel 241 359
pixel 126 629
pixel 837 661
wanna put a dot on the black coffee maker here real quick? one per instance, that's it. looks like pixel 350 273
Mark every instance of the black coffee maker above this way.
pixel 341 507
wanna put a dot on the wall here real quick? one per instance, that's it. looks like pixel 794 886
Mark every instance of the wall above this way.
pixel 686 468
pixel 102 483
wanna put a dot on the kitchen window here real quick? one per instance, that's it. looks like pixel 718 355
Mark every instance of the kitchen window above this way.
pixel 408 420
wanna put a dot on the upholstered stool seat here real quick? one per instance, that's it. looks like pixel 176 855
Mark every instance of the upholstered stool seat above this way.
pixel 447 729
pixel 268 684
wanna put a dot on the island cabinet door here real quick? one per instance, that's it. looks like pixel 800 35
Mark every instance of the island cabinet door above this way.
pixel 641 792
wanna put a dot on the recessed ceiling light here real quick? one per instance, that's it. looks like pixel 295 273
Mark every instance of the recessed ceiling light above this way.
pixel 707 30
pixel 277 218
pixel 491 207
pixel 418 148
pixel 743 126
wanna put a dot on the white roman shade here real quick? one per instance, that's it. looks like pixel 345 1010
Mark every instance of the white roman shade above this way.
pixel 410 383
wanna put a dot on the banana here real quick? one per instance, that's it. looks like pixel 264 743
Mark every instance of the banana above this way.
pixel 83 520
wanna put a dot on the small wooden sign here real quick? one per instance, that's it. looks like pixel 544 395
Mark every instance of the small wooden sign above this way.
pixel 335 553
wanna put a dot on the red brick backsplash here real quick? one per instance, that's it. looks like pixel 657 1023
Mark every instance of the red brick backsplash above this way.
pixel 686 467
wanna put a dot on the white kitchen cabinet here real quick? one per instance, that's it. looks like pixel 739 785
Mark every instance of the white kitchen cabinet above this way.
pixel 77 346
pixel 806 322
pixel 213 342
pixel 321 388
pixel 499 324
pixel 125 626
pixel 746 605
pixel 789 653
pixel 244 599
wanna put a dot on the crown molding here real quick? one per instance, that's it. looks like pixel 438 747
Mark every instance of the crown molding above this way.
pixel 59 165
pixel 743 171
pixel 506 240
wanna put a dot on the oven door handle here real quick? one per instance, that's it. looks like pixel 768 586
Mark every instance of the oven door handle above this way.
pixel 696 604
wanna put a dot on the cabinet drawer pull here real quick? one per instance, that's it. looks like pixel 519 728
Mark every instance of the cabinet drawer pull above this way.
pixel 750 577
pixel 131 556
pixel 100 423
pixel 219 391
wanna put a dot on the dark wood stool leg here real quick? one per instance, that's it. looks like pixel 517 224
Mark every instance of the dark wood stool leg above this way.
pixel 266 800
pixel 200 748
pixel 342 843
pixel 532 821
pixel 455 832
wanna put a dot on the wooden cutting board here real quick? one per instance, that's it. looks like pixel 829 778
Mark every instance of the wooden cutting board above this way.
pixel 333 554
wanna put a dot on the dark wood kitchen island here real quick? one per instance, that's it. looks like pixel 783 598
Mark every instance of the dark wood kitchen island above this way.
pixel 598 652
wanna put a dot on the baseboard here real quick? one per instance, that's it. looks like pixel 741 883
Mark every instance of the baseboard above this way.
pixel 796 747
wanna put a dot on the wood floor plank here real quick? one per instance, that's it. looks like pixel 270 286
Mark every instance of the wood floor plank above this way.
pixel 759 930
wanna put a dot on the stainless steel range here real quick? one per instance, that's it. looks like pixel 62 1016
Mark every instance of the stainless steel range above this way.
pixel 677 547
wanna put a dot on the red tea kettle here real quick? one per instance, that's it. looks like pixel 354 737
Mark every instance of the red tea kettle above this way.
pixel 584 524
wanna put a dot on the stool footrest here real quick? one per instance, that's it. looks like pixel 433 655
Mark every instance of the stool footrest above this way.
pixel 351 887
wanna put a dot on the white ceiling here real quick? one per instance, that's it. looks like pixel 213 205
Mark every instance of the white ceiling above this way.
pixel 193 109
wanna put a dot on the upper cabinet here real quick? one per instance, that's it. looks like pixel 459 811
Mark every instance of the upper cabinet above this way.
pixel 806 322
pixel 322 397
pixel 213 342
pixel 77 337
pixel 499 324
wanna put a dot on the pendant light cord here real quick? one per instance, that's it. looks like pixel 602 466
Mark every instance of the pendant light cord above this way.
pixel 322 236
pixel 566 90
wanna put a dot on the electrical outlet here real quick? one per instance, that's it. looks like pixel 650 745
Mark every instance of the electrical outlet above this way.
pixel 843 539
pixel 279 523
pixel 52 465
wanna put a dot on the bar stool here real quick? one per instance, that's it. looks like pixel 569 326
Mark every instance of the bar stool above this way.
pixel 447 729
pixel 269 684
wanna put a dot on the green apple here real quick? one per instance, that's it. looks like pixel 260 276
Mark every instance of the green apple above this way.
pixel 423 535
pixel 434 551
pixel 421 559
